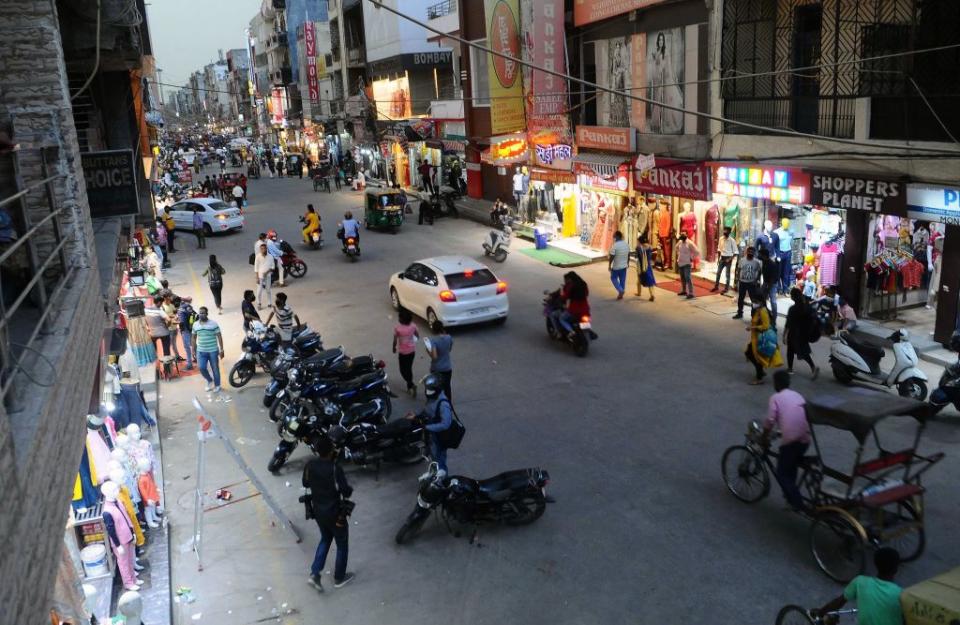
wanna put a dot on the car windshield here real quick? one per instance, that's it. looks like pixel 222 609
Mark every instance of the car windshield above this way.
pixel 218 206
pixel 470 279
pixel 392 199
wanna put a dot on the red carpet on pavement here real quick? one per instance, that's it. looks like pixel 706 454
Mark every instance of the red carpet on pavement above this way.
pixel 701 287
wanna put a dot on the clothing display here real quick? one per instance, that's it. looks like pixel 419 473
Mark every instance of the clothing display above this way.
pixel 99 456
pixel 829 264
pixel 711 226
pixel 85 494
pixel 688 225
pixel 121 539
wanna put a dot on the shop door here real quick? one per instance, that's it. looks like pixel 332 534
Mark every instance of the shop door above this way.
pixel 854 249
pixel 806 53
pixel 947 302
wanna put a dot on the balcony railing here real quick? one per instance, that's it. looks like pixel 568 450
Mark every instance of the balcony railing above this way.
pixel 356 56
pixel 828 116
pixel 440 9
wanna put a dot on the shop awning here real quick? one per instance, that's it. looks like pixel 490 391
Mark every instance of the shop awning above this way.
pixel 454 146
pixel 598 163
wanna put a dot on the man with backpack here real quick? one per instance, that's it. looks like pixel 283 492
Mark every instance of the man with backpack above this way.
pixel 437 415
pixel 186 315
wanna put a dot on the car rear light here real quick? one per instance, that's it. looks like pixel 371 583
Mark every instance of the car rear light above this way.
pixel 447 296
pixel 381 365
pixel 468 273
pixel 501 287
pixel 585 319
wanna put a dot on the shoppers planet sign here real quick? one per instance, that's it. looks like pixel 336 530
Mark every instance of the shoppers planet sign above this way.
pixel 504 39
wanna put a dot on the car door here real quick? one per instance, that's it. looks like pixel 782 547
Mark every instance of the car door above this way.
pixel 426 289
pixel 178 212
pixel 410 289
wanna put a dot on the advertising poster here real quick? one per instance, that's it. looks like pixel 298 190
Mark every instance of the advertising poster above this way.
pixel 392 98
pixel 506 82
pixel 310 42
pixel 276 108
pixel 664 74
pixel 613 60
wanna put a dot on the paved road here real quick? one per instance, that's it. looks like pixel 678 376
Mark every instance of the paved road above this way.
pixel 643 529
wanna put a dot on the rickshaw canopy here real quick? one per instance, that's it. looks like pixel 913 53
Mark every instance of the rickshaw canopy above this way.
pixel 858 410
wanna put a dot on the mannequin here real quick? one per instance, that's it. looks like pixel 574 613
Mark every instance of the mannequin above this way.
pixel 130 605
pixel 934 262
pixel 664 233
pixel 688 226
pixel 785 242
pixel 643 218
pixel 120 478
pixel 120 533
pixel 712 231
pixel 139 448
pixel 731 217
pixel 148 493
pixel 517 187
pixel 768 239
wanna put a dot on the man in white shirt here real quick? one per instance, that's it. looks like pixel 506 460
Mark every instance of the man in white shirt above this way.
pixel 263 267
pixel 619 261
pixel 727 249
pixel 238 194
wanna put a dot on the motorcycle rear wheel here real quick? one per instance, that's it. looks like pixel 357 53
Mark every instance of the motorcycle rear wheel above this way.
pixel 500 256
pixel 581 345
pixel 529 508
pixel 241 373
pixel 551 330
pixel 298 269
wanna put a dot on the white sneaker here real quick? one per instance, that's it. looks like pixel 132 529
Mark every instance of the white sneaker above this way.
pixel 217 389
pixel 208 387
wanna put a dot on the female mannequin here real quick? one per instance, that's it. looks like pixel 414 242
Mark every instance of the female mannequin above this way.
pixel 688 226
pixel 712 229
pixel 98 452
pixel 120 478
pixel 120 533
pixel 148 493
pixel 130 605
pixel 139 448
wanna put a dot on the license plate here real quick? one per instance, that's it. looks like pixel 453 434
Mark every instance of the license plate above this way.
pixel 477 311
pixel 585 326
pixel 351 247
pixel 316 237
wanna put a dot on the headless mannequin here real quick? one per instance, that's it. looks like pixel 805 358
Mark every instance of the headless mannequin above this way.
pixel 98 451
pixel 784 252
pixel 148 493
pixel 130 605
pixel 712 232
pixel 120 533
pixel 118 477
pixel 768 239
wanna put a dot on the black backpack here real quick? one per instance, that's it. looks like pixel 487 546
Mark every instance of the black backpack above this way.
pixel 451 437
pixel 286 248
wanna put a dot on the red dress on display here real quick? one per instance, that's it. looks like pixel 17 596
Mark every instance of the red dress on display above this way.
pixel 712 231
pixel 664 229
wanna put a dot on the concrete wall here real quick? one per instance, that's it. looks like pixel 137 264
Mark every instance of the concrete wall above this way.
pixel 388 35
pixel 41 443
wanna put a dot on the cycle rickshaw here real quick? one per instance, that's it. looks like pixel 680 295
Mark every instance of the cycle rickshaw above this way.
pixel 879 503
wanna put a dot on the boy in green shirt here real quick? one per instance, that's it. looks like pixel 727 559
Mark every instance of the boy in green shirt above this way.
pixel 878 598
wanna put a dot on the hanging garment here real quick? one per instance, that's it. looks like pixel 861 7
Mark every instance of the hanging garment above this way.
pixel 99 455
pixel 127 498
pixel 148 488
pixel 688 225
pixel 85 494
pixel 712 230
pixel 731 215
pixel 665 227
pixel 829 261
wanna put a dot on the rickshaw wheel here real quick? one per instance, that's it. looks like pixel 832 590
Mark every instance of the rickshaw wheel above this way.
pixel 838 545
pixel 745 475
pixel 911 543
pixel 794 615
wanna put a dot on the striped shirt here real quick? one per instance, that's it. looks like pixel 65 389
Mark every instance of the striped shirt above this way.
pixel 284 322
pixel 206 333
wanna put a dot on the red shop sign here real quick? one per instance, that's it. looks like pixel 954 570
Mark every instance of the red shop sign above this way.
pixel 676 178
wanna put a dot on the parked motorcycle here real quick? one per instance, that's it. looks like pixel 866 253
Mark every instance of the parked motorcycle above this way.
pixel 948 389
pixel 514 498
pixel 498 245
pixel 316 237
pixel 298 425
pixel 260 347
pixel 581 335
pixel 852 359
pixel 332 365
pixel 308 392
pixel 365 442
pixel 288 358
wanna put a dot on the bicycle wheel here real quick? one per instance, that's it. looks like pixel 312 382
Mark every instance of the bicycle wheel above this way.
pixel 744 474
pixel 794 615
pixel 910 541
pixel 838 545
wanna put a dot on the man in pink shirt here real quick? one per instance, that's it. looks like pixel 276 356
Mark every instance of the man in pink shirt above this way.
pixel 786 412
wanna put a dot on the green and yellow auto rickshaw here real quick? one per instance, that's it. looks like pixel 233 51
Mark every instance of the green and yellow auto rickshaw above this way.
pixel 384 208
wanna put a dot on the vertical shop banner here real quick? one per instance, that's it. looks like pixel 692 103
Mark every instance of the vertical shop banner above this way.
pixel 664 74
pixel 506 84
pixel 638 65
pixel 310 43
pixel 276 108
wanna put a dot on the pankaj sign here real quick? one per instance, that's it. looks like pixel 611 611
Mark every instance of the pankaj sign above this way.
pixel 676 178
pixel 838 190
pixel 762 183
pixel 111 183
pixel 930 203
pixel 607 138
pixel 589 11
pixel 506 87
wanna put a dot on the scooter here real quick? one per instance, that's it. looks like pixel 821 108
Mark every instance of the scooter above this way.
pixel 515 498
pixel 948 389
pixel 316 238
pixel 852 360
pixel 351 247
pixel 498 245
pixel 582 333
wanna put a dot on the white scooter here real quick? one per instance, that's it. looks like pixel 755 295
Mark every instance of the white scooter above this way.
pixel 855 360
pixel 498 245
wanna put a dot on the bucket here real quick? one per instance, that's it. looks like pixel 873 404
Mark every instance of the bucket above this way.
pixel 94 558
pixel 540 240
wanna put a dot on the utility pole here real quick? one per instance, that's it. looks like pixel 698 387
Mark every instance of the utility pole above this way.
pixel 160 84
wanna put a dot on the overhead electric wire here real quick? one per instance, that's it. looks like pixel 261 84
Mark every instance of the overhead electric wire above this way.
pixel 710 116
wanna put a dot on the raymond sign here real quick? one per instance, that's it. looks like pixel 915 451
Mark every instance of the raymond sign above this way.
pixel 606 138
pixel 669 177
pixel 310 43
pixel 506 86
pixel 588 11
pixel 111 183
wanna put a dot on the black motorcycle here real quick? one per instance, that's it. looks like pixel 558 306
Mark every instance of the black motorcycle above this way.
pixel 298 425
pixel 331 365
pixel 581 334
pixel 948 389
pixel 513 498
pixel 367 443
pixel 289 358
pixel 350 246
pixel 261 345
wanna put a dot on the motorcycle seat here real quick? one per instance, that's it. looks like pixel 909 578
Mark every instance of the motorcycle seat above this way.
pixel 322 360
pixel 348 365
pixel 871 353
pixel 358 383
pixel 363 412
pixel 502 486
pixel 396 427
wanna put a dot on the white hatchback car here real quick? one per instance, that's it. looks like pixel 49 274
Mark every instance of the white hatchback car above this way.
pixel 454 290
pixel 217 216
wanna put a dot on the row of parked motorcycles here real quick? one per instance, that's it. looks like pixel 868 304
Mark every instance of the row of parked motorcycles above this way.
pixel 316 393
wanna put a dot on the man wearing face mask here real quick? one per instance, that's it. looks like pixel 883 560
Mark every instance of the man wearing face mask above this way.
pixel 208 346
pixel 748 276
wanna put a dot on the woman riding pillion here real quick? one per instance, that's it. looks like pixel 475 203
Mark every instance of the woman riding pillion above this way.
pixel 312 220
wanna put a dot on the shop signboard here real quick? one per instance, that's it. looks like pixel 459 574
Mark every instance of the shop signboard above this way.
pixel 674 178
pixel 932 203
pixel 276 106
pixel 776 184
pixel 111 183
pixel 589 11
pixel 618 184
pixel 543 45
pixel 867 193
pixel 506 84
pixel 552 175
pixel 607 138
pixel 310 43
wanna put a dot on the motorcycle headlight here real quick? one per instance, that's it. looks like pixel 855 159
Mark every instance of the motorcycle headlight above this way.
pixel 292 374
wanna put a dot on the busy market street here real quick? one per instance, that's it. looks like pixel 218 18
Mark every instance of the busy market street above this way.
pixel 632 437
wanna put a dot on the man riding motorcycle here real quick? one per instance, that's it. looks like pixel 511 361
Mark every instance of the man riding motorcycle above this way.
pixel 312 220
pixel 349 228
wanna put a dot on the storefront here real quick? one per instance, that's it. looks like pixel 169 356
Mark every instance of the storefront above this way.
pixel 603 186
pixel 505 158
pixel 555 195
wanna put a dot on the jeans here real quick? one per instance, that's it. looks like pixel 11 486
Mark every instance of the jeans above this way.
pixel 445 378
pixel 619 279
pixel 217 289
pixel 565 320
pixel 201 240
pixel 406 368
pixel 686 279
pixel 212 359
pixel 438 452
pixel 788 462
pixel 743 288
pixel 131 408
pixel 772 290
pixel 187 347
pixel 265 284
pixel 328 534
pixel 725 263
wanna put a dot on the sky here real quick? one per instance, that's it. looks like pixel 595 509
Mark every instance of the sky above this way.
pixel 186 34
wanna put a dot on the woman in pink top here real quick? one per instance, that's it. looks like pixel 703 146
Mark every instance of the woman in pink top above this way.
pixel 405 338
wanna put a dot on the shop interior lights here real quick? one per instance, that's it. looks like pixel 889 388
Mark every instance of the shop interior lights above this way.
pixel 758 182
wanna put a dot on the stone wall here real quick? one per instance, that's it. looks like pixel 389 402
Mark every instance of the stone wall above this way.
pixel 41 443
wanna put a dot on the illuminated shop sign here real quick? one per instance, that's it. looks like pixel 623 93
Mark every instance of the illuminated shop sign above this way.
pixel 511 148
pixel 776 185
pixel 547 154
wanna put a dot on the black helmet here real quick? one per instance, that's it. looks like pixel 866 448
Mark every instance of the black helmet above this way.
pixel 431 385
pixel 337 436
pixel 954 343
